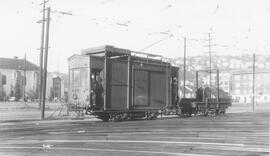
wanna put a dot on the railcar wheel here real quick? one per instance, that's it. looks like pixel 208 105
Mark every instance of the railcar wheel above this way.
pixel 104 117
pixel 217 112
pixel 178 112
pixel 222 111
pixel 117 118
pixel 206 112
pixel 153 115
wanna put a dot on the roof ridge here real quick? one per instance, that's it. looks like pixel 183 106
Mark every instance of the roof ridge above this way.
pixel 16 64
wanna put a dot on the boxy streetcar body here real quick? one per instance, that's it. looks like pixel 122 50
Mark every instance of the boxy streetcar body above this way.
pixel 122 84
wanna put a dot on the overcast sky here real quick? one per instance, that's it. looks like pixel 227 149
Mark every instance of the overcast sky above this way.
pixel 236 26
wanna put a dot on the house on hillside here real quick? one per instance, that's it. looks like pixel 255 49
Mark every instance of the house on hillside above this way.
pixel 19 73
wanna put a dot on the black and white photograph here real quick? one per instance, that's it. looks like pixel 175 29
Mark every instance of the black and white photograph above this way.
pixel 134 77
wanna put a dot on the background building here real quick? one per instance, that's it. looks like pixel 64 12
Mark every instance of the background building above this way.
pixel 19 73
pixel 2 82
pixel 225 81
pixel 242 85
pixel 56 88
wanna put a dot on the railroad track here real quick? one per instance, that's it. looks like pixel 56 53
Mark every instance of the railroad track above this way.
pixel 231 134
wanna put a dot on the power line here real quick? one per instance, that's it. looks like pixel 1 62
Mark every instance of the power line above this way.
pixel 31 5
pixel 165 38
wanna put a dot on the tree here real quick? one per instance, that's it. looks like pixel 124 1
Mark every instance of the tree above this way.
pixel 17 89
pixel 1 95
pixel 11 94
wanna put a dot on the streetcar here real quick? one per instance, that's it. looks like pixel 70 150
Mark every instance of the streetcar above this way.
pixel 119 84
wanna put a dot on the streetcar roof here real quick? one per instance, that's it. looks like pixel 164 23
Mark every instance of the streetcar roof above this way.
pixel 100 51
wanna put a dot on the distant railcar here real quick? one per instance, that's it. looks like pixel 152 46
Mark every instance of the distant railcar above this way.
pixel 117 84
pixel 208 100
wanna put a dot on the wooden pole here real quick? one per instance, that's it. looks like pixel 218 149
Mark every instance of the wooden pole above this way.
pixel 24 79
pixel 45 63
pixel 90 83
pixel 197 82
pixel 128 81
pixel 184 85
pixel 218 86
pixel 106 79
pixel 253 84
pixel 41 57
pixel 210 62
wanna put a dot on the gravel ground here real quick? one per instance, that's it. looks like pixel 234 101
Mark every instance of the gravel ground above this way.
pixel 10 111
pixel 233 134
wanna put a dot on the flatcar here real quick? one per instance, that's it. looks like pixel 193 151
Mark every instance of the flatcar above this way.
pixel 207 100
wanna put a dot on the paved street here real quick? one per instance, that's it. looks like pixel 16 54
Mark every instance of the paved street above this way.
pixel 231 134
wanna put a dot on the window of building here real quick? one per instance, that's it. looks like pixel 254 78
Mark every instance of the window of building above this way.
pixel 237 91
pixel 237 85
pixel 70 76
pixel 267 88
pixel 258 76
pixel 237 77
pixel 237 99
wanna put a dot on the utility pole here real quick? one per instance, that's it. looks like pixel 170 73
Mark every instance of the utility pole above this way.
pixel 253 84
pixel 184 85
pixel 41 55
pixel 24 80
pixel 45 63
pixel 210 62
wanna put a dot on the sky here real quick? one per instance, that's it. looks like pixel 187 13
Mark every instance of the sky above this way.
pixel 236 26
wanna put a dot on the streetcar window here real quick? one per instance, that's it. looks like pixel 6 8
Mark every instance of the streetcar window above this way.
pixel 70 76
pixel 76 77
pixel 84 76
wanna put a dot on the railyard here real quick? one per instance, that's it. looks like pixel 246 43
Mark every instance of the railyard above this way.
pixel 239 133
pixel 174 78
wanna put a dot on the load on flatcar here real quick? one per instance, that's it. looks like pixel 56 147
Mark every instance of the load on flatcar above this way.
pixel 208 99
